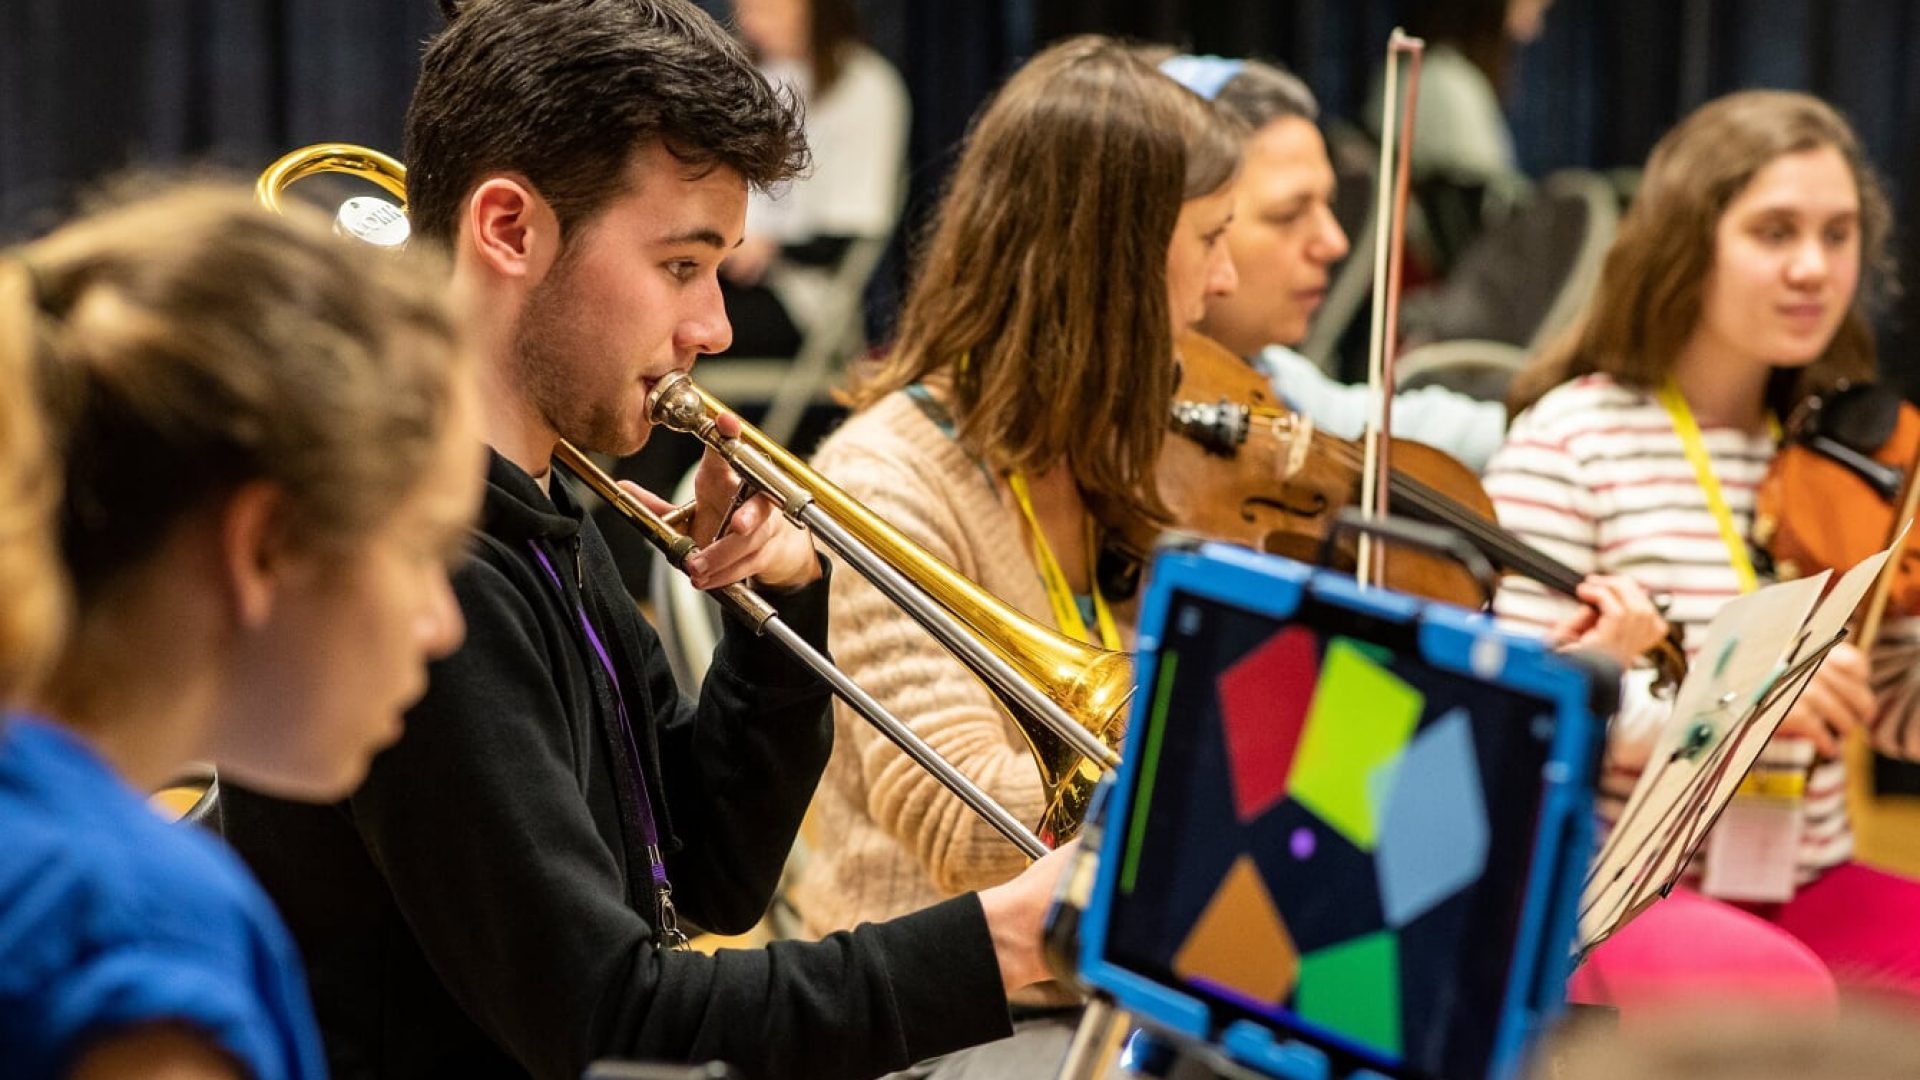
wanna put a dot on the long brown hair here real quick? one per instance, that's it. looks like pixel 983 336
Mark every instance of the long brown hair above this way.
pixel 1042 301
pixel 1649 297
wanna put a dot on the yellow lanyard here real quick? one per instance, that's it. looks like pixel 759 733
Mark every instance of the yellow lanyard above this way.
pixel 1066 609
pixel 1696 447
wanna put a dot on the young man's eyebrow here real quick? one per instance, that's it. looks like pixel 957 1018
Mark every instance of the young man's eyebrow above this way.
pixel 706 236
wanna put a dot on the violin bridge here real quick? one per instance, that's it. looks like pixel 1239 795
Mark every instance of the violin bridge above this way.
pixel 1299 439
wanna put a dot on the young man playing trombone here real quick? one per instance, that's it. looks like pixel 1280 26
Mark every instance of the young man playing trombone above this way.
pixel 499 898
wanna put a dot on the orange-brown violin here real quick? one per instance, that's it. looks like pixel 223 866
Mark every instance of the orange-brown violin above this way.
pixel 1239 466
pixel 1839 489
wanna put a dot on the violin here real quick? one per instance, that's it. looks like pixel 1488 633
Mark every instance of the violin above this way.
pixel 1841 488
pixel 1242 468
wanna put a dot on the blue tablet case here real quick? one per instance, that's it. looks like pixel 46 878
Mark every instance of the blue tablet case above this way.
pixel 1350 827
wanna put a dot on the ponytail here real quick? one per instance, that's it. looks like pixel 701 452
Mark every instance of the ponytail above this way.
pixel 32 588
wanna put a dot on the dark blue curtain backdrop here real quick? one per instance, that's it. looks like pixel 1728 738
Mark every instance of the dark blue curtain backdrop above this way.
pixel 91 86
pixel 88 87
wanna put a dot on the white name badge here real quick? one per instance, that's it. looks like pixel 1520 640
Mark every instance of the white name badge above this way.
pixel 1753 853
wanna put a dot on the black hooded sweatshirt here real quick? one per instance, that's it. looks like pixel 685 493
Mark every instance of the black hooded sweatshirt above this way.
pixel 482 906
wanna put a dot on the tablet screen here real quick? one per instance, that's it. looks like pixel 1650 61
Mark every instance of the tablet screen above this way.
pixel 1329 836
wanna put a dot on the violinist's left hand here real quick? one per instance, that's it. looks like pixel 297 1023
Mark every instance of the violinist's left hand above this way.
pixel 1619 620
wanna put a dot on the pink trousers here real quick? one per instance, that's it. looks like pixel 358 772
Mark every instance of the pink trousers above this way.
pixel 1856 927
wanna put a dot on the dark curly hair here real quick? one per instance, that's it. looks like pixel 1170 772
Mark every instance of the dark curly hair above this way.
pixel 564 92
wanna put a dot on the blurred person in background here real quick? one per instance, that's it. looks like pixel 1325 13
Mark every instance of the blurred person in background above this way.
pixel 856 115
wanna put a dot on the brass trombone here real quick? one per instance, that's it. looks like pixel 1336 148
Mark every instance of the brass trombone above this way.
pixel 1069 699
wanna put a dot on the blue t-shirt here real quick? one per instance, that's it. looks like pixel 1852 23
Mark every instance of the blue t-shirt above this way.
pixel 111 917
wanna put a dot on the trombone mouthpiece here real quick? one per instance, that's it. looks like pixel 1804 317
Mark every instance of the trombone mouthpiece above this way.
pixel 677 404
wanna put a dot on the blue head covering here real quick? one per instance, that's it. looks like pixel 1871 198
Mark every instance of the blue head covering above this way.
pixel 1204 75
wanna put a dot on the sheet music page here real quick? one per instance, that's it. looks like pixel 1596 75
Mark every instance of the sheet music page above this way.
pixel 1616 889
pixel 1827 620
pixel 1745 647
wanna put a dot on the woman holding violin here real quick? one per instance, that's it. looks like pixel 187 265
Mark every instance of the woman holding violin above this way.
pixel 1732 293
pixel 1030 378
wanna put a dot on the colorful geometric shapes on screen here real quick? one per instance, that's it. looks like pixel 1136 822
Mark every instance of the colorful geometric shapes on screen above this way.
pixel 1372 650
pixel 1240 941
pixel 1360 719
pixel 1264 698
pixel 1353 989
pixel 1301 844
pixel 1327 890
pixel 1433 834
pixel 1380 784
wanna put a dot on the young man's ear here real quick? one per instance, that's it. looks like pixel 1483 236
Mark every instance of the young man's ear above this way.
pixel 510 229
pixel 254 557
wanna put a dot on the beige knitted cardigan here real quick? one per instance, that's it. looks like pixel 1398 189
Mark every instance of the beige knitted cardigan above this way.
pixel 887 838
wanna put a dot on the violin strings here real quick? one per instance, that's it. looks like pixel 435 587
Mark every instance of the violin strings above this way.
pixel 1504 547
pixel 1506 550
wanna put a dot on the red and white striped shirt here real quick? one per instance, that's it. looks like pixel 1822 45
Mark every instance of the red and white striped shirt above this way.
pixel 1595 476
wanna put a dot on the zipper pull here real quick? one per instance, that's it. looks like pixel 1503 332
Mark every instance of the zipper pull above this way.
pixel 579 567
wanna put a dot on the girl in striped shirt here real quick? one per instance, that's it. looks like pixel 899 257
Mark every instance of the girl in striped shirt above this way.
pixel 1732 293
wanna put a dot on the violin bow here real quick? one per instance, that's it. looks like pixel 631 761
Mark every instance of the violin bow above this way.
pixel 1390 212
